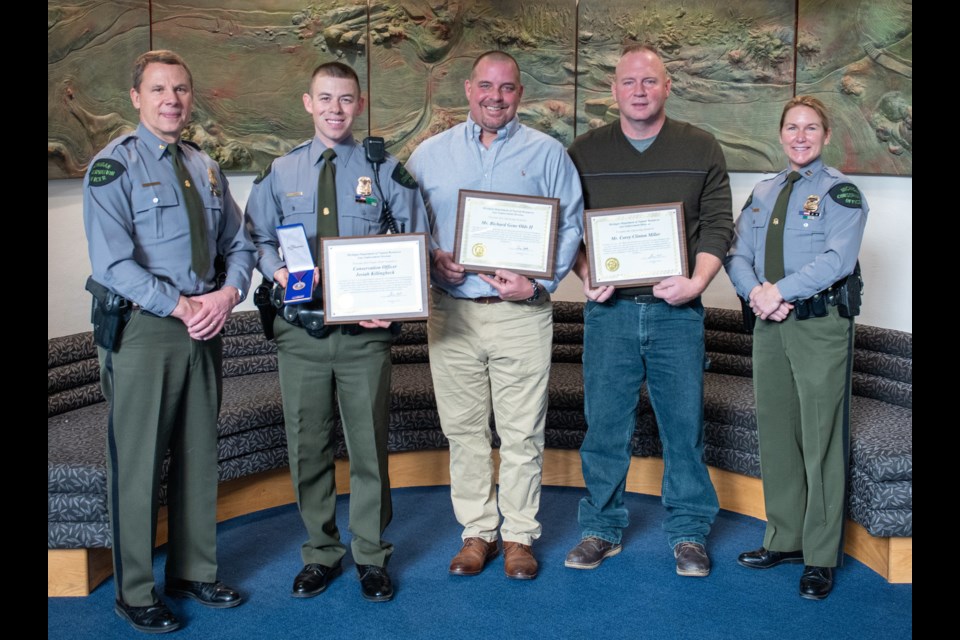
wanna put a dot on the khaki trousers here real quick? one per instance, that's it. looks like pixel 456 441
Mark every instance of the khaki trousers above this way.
pixel 483 358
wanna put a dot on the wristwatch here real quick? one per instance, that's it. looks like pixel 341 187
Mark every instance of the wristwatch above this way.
pixel 536 291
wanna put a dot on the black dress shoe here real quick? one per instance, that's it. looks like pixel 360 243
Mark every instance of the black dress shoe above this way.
pixel 211 594
pixel 764 559
pixel 816 582
pixel 313 580
pixel 375 584
pixel 156 618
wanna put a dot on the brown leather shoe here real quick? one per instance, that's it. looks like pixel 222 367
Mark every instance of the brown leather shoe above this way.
pixel 474 554
pixel 518 561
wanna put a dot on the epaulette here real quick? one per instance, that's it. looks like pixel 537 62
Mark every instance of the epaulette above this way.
pixel 300 146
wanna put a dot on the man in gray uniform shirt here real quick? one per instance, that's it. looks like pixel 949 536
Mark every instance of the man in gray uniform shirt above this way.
pixel 351 360
pixel 156 211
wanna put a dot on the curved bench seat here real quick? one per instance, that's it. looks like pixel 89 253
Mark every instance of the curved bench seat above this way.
pixel 252 443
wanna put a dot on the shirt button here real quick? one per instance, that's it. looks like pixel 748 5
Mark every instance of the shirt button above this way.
pixel 156 200
pixel 806 224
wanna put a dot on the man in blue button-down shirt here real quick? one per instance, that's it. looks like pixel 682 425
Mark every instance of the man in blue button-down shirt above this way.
pixel 484 354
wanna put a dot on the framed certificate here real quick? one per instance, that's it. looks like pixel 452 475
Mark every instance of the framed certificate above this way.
pixel 504 231
pixel 635 246
pixel 384 277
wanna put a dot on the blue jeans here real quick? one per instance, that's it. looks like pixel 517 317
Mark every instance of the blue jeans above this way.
pixel 625 344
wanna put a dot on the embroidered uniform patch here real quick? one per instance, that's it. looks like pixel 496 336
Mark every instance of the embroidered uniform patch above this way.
pixel 748 202
pixel 263 174
pixel 846 194
pixel 104 171
pixel 401 176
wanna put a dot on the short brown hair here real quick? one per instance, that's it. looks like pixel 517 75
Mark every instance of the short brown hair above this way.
pixel 495 54
pixel 335 70
pixel 807 101
pixel 162 56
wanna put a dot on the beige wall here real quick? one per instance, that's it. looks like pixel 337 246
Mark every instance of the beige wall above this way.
pixel 886 256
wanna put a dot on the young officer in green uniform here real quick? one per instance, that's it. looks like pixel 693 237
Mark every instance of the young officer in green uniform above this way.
pixel 156 211
pixel 346 364
pixel 794 261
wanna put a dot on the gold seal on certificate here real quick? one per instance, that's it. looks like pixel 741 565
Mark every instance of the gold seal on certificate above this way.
pixel 505 231
pixel 635 246
pixel 384 277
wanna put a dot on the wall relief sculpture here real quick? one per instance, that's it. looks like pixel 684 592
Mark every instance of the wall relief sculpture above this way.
pixel 733 66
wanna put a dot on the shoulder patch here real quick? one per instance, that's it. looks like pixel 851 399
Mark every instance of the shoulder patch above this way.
pixel 263 174
pixel 847 194
pixel 401 176
pixel 104 171
pixel 191 143
pixel 748 202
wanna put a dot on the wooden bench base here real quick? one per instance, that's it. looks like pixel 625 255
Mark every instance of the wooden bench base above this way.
pixel 76 572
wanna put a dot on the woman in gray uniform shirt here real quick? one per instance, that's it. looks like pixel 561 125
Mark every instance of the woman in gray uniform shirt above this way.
pixel 794 263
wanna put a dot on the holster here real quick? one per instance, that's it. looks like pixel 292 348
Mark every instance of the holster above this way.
pixel 264 303
pixel 109 313
pixel 845 294
pixel 308 315
pixel 848 296
pixel 749 317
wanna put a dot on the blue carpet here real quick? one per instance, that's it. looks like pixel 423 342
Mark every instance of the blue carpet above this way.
pixel 634 595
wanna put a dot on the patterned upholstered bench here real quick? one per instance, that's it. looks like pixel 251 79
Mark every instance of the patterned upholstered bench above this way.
pixel 880 494
pixel 252 441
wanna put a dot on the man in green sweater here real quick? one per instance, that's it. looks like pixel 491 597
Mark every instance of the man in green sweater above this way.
pixel 649 333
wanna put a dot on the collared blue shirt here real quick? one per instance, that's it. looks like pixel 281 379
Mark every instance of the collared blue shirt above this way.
pixel 287 194
pixel 520 161
pixel 821 237
pixel 138 230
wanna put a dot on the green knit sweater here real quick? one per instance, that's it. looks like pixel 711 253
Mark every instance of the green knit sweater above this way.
pixel 684 164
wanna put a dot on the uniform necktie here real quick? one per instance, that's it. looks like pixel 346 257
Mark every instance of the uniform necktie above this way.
pixel 327 200
pixel 773 262
pixel 199 250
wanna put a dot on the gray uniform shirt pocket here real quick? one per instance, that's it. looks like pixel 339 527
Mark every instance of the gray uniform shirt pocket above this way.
pixel 300 208
pixel 805 235
pixel 151 205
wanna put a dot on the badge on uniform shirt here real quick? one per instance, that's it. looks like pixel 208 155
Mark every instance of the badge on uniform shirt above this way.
pixel 214 187
pixel 811 207
pixel 365 191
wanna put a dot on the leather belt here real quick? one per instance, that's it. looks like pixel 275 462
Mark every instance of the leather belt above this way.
pixel 136 307
pixel 480 300
pixel 640 299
